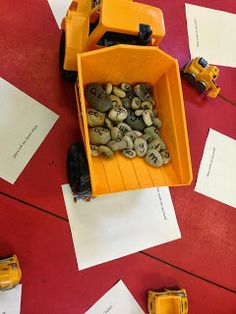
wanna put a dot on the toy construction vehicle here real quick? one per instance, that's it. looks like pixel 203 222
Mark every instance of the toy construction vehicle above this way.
pixel 10 272
pixel 90 25
pixel 168 302
pixel 202 76
pixel 127 34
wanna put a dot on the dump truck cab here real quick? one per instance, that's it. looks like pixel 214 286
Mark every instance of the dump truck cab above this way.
pixel 202 76
pixel 168 302
pixel 10 272
pixel 89 25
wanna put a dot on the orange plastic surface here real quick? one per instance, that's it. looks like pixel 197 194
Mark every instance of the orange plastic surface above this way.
pixel 120 16
pixel 133 64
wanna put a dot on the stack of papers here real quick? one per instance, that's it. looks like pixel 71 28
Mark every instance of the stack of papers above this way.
pixel 115 225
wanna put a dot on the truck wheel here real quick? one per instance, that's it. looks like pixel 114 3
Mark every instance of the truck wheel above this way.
pixel 201 87
pixel 78 171
pixel 189 78
pixel 67 75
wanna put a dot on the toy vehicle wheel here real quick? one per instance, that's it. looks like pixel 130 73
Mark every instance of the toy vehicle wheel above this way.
pixel 189 78
pixel 200 87
pixel 67 75
pixel 78 171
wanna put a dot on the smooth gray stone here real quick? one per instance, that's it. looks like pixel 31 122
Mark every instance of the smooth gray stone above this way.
pixel 95 118
pixel 157 144
pixel 117 114
pixel 129 153
pixel 153 158
pixel 97 97
pixel 99 136
pixel 117 145
pixel 140 146
pixel 165 156
pixel 153 131
pixel 124 128
pixel 144 91
pixel 105 151
pixel 116 133
pixel 135 122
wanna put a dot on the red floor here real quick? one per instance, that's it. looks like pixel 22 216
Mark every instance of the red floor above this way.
pixel 203 261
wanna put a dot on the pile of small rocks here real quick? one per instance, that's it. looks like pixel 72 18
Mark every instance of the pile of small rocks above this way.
pixel 123 118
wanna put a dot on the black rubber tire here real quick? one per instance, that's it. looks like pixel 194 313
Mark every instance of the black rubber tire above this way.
pixel 200 87
pixel 78 171
pixel 189 78
pixel 67 75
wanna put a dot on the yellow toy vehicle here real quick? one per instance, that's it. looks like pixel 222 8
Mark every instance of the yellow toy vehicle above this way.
pixel 202 76
pixel 10 272
pixel 168 302
pixel 127 34
pixel 90 25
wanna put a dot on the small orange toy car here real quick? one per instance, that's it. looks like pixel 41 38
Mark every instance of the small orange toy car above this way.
pixel 168 302
pixel 10 272
pixel 202 76
pixel 90 25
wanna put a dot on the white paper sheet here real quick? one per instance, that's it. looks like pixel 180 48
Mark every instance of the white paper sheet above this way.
pixel 217 173
pixel 24 123
pixel 212 35
pixel 10 300
pixel 115 225
pixel 59 9
pixel 118 300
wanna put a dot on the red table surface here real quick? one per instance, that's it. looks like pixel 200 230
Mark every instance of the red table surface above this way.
pixel 29 44
pixel 52 283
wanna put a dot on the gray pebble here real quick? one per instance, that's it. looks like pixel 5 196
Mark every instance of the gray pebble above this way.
pixel 135 103
pixel 124 128
pixel 139 112
pixel 116 133
pixel 132 135
pixel 147 117
pixel 116 101
pixel 153 158
pixel 97 97
pixel 126 87
pixel 118 114
pixel 135 122
pixel 117 145
pixel 108 123
pixel 126 102
pixel 153 131
pixel 129 142
pixel 95 118
pixel 94 150
pixel 105 151
pixel 140 146
pixel 144 91
pixel 108 88
pixel 157 144
pixel 157 122
pixel 165 156
pixel 147 137
pixel 129 153
pixel 99 136
pixel 146 105
pixel 118 92
pixel 138 133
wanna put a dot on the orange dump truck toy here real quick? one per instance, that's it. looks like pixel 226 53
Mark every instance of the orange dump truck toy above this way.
pixel 117 41
pixel 168 302
pixel 10 272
